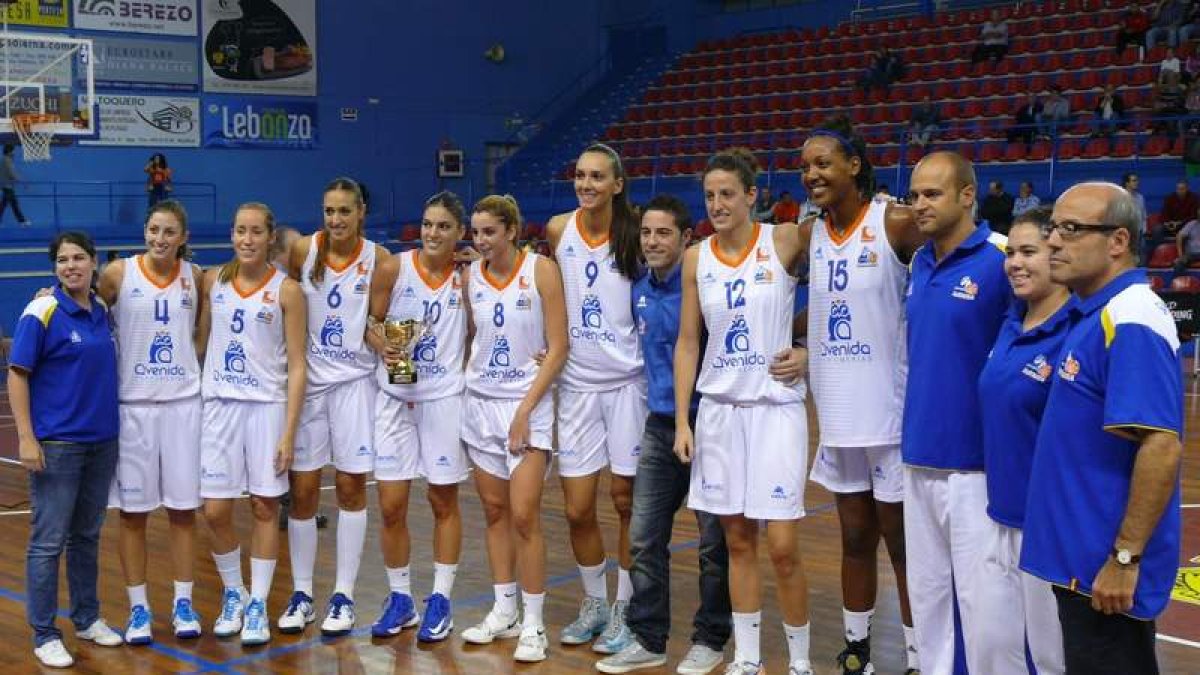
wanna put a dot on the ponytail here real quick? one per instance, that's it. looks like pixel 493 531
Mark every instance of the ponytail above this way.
pixel 317 275
pixel 625 230
pixel 504 208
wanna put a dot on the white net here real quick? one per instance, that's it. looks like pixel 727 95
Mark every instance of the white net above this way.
pixel 35 132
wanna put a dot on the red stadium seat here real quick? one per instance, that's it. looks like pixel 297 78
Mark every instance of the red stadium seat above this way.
pixel 1095 148
pixel 1156 282
pixel 1185 284
pixel 1124 148
pixel 1068 149
pixel 990 153
pixel 410 232
pixel 1015 152
pixel 1157 145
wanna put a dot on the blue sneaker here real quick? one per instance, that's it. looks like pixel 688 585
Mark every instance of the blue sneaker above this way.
pixel 185 620
pixel 593 618
pixel 616 635
pixel 137 631
pixel 436 624
pixel 398 613
pixel 339 616
pixel 257 629
pixel 299 613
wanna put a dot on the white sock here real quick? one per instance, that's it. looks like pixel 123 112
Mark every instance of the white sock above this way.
pixel 858 624
pixel 797 639
pixel 302 549
pixel 910 647
pixel 506 598
pixel 229 566
pixel 595 583
pixel 443 578
pixel 137 596
pixel 351 533
pixel 262 572
pixel 533 609
pixel 624 585
pixel 399 580
pixel 745 637
pixel 183 590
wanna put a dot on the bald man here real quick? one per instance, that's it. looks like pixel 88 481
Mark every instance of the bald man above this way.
pixel 958 296
pixel 1103 516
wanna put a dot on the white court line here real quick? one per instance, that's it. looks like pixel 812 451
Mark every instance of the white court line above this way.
pixel 1189 506
pixel 26 512
pixel 1178 641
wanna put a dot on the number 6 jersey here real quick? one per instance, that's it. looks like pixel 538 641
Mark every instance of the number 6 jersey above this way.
pixel 247 356
pixel 337 317
pixel 155 324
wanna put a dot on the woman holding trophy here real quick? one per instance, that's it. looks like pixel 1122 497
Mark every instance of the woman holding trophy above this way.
pixel 516 311
pixel 418 298
pixel 253 321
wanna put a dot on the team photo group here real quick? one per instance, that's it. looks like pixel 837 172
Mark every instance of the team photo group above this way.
pixel 1004 412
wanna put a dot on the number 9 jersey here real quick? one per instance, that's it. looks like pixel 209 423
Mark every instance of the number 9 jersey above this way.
pixel 337 318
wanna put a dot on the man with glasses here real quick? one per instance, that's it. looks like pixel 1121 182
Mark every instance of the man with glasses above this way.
pixel 957 299
pixel 1103 516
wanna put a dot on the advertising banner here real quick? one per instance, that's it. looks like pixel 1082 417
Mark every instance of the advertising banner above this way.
pixel 131 120
pixel 260 47
pixel 260 123
pixel 46 13
pixel 124 63
pixel 162 17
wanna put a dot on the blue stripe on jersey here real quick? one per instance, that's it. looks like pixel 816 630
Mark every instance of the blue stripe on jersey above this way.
pixel 955 308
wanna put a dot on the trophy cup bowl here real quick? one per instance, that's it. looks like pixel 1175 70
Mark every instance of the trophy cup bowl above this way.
pixel 402 335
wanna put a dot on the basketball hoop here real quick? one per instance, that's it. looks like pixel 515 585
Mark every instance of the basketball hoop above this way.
pixel 35 131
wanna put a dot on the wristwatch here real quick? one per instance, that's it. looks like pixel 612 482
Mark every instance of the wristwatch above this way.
pixel 1124 557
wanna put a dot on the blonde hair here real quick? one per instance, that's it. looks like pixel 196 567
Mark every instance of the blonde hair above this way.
pixel 504 208
pixel 230 269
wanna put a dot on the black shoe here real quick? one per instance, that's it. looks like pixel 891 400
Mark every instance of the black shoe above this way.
pixel 855 659
pixel 913 671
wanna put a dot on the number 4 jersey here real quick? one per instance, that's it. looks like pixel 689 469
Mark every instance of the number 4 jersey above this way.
pixel 337 317
pixel 247 355
pixel 157 356
pixel 856 355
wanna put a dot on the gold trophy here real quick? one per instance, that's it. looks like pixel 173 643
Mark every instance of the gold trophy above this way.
pixel 402 335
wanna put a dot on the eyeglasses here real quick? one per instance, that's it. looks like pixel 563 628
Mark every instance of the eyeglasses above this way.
pixel 1070 230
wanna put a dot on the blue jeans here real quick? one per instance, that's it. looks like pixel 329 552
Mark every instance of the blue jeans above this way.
pixel 69 497
pixel 660 489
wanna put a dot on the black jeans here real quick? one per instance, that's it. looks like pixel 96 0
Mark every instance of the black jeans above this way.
pixel 9 196
pixel 660 489
pixel 1098 644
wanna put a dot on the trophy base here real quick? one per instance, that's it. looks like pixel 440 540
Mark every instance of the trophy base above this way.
pixel 402 378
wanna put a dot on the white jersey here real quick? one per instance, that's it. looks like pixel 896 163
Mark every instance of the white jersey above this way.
pixel 337 318
pixel 509 330
pixel 247 352
pixel 747 306
pixel 856 326
pixel 438 353
pixel 605 350
pixel 155 328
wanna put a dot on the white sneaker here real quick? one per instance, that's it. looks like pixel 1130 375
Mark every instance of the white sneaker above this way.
pixel 233 609
pixel 54 655
pixel 100 633
pixel 257 629
pixel 743 668
pixel 800 667
pixel 531 647
pixel 339 616
pixel 494 626
pixel 700 660
pixel 299 613
pixel 138 631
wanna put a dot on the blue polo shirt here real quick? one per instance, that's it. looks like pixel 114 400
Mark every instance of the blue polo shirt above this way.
pixel 656 312
pixel 1119 371
pixel 955 308
pixel 71 358
pixel 1013 388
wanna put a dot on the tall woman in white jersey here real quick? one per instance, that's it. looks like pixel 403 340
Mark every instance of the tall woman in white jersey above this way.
pixel 254 323
pixel 155 302
pixel 602 394
pixel 336 269
pixel 517 311
pixel 749 451
pixel 417 424
pixel 858 271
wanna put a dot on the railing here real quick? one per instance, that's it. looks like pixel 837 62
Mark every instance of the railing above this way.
pixel 122 201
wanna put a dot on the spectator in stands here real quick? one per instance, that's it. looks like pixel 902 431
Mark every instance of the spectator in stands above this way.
pixel 925 121
pixel 764 207
pixel 1187 243
pixel 1168 17
pixel 997 208
pixel 1178 208
pixel 1168 107
pixel 993 39
pixel 1055 112
pixel 1171 69
pixel 787 210
pixel 1110 112
pixel 1192 104
pixel 1026 119
pixel 1191 24
pixel 882 194
pixel 8 187
pixel 885 69
pixel 1132 29
pixel 1026 200
pixel 158 179
pixel 1191 66
pixel 1131 182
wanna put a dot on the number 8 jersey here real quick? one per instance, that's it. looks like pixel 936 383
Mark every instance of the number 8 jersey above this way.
pixel 509 330
pixel 337 317
pixel 155 324
pixel 747 307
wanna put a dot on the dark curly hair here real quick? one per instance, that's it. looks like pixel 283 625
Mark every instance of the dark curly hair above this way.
pixel 850 145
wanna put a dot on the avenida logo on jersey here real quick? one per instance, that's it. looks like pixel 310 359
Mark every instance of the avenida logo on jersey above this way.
pixel 161 359
pixel 425 354
pixel 500 362
pixel 841 345
pixel 332 332
pixel 235 368
pixel 162 350
pixel 593 319
pixel 737 347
